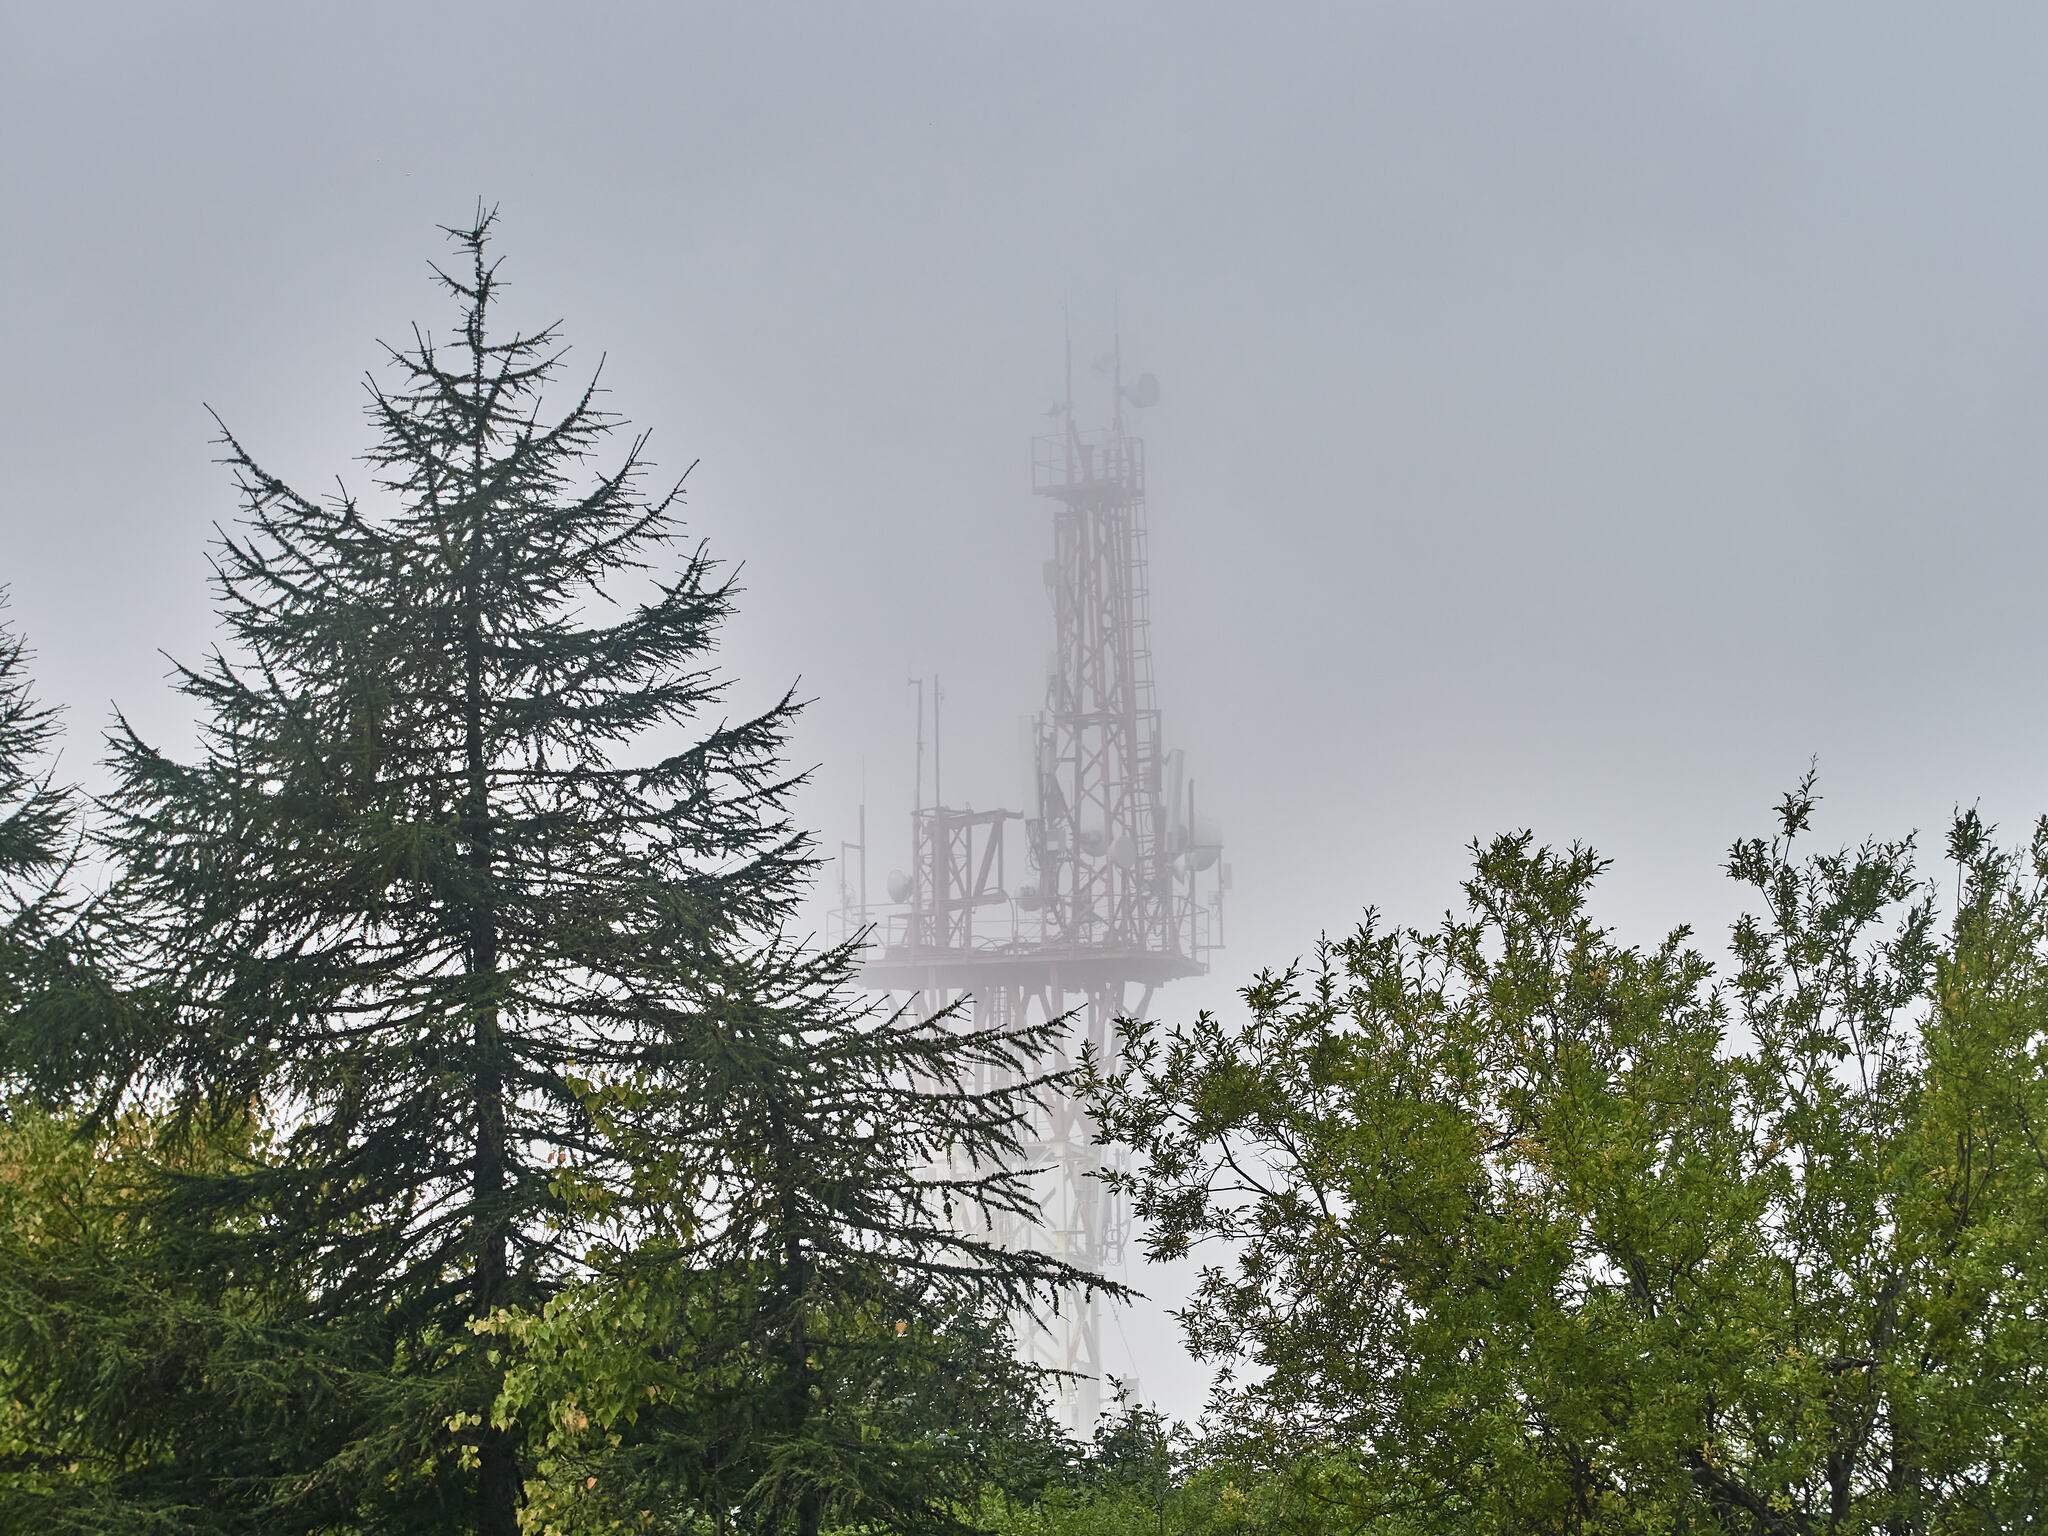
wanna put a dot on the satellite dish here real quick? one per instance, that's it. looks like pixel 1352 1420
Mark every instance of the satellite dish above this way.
pixel 899 885
pixel 1029 899
pixel 1093 843
pixel 1124 853
pixel 1145 393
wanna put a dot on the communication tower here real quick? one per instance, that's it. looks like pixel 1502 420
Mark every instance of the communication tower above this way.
pixel 1105 885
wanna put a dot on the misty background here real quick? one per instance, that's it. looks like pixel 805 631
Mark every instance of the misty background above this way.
pixel 1574 417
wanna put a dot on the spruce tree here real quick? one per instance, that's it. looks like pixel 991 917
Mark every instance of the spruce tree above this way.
pixel 475 897
pixel 35 815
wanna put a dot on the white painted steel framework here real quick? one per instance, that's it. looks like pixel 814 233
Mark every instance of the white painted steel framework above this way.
pixel 1104 887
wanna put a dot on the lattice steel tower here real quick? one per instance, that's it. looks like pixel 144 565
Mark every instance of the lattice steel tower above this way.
pixel 1119 882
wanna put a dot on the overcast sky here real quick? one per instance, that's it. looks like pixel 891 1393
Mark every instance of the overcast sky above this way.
pixel 1574 417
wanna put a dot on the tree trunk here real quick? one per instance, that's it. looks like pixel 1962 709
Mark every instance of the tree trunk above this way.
pixel 498 1463
pixel 796 1286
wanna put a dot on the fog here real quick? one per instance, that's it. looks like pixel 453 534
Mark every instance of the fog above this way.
pixel 1575 417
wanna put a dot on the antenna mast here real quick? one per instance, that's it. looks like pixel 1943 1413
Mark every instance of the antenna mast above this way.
pixel 1117 885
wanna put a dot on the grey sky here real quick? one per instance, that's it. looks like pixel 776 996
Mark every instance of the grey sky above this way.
pixel 1575 416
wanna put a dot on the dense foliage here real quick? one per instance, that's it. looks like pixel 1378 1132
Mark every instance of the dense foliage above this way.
pixel 1535 1231
pixel 35 825
pixel 446 1038
pixel 429 1126
pixel 1141 1475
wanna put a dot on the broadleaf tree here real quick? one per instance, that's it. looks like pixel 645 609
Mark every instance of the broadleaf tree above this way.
pixel 1527 1229
pixel 473 897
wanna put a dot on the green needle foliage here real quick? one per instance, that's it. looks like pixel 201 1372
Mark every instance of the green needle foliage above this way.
pixel 798 1335
pixel 35 822
pixel 1534 1231
pixel 456 1007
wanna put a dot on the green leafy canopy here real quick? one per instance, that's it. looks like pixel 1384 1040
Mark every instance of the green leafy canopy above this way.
pixel 1533 1231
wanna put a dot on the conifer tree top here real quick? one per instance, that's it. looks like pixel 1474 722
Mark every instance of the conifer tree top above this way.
pixel 33 809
